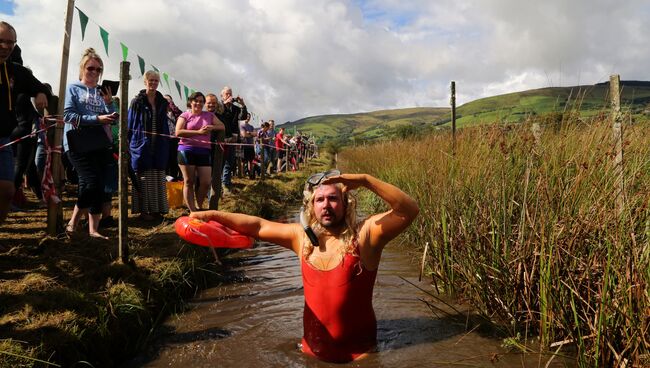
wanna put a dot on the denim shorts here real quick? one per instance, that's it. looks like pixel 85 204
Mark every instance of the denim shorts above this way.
pixel 6 161
pixel 189 158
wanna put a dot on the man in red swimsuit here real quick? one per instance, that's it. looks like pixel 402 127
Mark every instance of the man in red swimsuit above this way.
pixel 339 258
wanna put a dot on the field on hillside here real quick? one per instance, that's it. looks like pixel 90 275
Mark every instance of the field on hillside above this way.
pixel 588 100
pixel 366 126
pixel 552 104
pixel 525 228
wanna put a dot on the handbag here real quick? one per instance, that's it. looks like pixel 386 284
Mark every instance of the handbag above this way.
pixel 88 138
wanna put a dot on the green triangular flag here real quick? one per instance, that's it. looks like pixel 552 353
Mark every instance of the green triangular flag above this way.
pixel 125 51
pixel 186 92
pixel 178 87
pixel 156 69
pixel 141 62
pixel 83 22
pixel 104 35
pixel 192 91
pixel 166 78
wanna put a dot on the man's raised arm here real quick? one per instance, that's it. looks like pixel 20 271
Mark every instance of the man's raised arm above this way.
pixel 384 226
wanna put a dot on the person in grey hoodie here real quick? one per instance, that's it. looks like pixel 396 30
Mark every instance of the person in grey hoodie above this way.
pixel 85 105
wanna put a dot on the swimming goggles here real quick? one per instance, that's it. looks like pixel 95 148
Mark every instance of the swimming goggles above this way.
pixel 317 178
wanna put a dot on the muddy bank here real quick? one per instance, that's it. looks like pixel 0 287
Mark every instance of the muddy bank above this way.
pixel 66 299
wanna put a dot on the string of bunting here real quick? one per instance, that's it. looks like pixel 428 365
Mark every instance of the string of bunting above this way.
pixel 105 36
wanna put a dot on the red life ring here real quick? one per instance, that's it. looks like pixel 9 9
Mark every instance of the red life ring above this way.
pixel 210 234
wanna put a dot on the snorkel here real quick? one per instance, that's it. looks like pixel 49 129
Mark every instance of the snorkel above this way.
pixel 308 230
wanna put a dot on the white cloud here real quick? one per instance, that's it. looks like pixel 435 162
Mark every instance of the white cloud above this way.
pixel 290 59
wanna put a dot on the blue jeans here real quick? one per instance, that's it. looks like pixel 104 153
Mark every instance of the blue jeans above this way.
pixel 228 166
pixel 41 158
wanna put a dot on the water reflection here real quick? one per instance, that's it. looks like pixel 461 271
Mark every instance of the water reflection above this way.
pixel 254 319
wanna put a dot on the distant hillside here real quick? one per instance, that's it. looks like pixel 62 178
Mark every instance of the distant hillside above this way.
pixel 366 126
pixel 589 100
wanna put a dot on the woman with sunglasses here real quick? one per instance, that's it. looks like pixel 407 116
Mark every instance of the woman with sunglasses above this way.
pixel 339 258
pixel 86 105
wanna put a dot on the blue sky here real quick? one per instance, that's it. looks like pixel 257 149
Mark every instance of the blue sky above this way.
pixel 291 59
pixel 7 7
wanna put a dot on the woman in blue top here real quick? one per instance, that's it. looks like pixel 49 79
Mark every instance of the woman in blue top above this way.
pixel 86 105
pixel 149 150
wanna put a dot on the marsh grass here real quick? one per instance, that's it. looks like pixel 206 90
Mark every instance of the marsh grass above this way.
pixel 528 232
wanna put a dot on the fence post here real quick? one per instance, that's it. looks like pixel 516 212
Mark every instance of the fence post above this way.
pixel 617 125
pixel 123 241
pixel 453 116
pixel 55 210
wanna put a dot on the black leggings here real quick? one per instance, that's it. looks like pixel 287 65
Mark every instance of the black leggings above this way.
pixel 91 169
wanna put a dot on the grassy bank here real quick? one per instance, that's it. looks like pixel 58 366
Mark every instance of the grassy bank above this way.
pixel 66 301
pixel 528 232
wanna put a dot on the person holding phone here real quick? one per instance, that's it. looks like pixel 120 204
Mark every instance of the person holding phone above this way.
pixel 87 105
pixel 234 110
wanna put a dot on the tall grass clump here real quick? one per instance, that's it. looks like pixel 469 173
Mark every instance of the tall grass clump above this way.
pixel 528 231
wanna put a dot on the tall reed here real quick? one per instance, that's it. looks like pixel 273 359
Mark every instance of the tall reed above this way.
pixel 527 230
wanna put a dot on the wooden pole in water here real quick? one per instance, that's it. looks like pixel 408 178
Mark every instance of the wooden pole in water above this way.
pixel 617 125
pixel 55 210
pixel 453 116
pixel 123 242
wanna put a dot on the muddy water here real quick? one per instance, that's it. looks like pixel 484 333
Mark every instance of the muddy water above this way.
pixel 255 320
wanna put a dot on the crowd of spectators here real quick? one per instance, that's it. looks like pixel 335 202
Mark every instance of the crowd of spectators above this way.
pixel 204 146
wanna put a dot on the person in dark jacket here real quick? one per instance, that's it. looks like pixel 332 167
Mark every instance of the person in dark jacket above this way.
pixel 25 149
pixel 234 109
pixel 149 150
pixel 14 79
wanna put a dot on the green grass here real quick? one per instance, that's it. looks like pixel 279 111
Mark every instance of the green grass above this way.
pixel 529 233
pixel 586 100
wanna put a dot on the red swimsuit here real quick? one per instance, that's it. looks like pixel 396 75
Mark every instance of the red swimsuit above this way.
pixel 339 322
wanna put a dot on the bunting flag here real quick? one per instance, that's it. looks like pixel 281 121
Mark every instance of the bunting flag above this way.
pixel 83 22
pixel 192 91
pixel 166 78
pixel 178 87
pixel 104 35
pixel 141 62
pixel 125 51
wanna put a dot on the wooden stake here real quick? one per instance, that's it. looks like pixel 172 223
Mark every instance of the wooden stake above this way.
pixel 453 116
pixel 617 125
pixel 55 210
pixel 123 191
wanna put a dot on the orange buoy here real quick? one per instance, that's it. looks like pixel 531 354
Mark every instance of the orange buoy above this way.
pixel 210 234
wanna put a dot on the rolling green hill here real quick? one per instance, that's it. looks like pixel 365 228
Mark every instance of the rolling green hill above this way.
pixel 588 100
pixel 367 126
